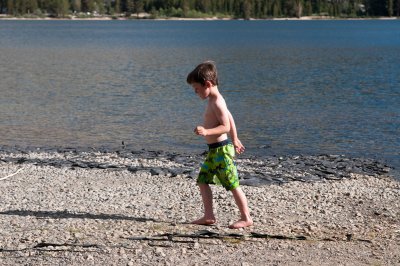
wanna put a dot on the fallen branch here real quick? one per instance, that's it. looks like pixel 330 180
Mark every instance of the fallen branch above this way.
pixel 172 237
pixel 44 244
pixel 11 174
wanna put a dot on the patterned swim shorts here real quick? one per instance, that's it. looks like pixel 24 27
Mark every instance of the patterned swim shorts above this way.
pixel 219 167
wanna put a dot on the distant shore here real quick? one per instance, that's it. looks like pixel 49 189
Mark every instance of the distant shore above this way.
pixel 107 18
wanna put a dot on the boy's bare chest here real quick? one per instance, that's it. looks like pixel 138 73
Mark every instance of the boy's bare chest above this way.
pixel 209 116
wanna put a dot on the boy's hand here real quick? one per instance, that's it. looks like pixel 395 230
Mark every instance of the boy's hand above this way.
pixel 199 130
pixel 238 146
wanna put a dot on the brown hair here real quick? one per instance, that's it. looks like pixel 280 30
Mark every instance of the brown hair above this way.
pixel 206 71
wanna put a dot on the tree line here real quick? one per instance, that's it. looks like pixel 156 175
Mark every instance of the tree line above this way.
pixel 246 9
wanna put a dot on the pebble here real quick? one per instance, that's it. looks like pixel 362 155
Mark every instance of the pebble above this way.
pixel 160 252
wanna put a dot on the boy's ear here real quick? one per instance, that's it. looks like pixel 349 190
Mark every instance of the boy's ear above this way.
pixel 209 84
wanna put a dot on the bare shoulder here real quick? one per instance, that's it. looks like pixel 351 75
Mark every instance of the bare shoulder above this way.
pixel 218 102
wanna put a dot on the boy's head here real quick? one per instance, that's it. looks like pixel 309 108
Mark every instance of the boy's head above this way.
pixel 206 71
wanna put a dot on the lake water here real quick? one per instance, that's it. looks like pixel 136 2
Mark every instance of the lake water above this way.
pixel 294 87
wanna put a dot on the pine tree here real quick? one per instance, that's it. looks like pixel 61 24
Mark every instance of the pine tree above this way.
pixel 308 8
pixel 390 7
pixel 247 8
pixel 298 8
pixel 31 6
pixel 398 8
pixel 11 8
pixel 3 5
pixel 276 9
pixel 76 5
pixel 117 6
pixel 129 7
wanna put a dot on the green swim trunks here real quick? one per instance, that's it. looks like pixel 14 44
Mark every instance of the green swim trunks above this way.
pixel 219 167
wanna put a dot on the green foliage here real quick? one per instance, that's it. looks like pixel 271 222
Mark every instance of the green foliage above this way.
pixel 390 7
pixel 203 8
pixel 58 8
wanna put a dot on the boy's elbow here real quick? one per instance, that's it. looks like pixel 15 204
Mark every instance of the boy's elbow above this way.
pixel 227 128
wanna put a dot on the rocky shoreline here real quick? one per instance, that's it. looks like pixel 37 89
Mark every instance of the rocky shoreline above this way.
pixel 123 207
pixel 254 171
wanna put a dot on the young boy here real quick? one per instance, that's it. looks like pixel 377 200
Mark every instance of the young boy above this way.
pixel 219 167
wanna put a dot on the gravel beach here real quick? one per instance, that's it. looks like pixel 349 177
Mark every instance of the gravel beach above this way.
pixel 73 207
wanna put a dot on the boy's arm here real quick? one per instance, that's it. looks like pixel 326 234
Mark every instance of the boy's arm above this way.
pixel 233 133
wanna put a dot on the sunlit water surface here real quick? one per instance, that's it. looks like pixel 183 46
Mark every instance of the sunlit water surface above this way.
pixel 294 87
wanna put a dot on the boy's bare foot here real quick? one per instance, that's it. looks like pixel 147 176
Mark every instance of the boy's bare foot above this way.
pixel 241 224
pixel 204 221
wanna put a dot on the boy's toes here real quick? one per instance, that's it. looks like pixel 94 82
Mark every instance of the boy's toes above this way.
pixel 241 224
pixel 204 221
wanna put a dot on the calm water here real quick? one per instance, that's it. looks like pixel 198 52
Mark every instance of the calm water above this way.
pixel 294 87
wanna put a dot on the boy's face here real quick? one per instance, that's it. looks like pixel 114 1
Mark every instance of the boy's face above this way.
pixel 203 91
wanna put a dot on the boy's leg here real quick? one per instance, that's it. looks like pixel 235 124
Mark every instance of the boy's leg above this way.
pixel 206 195
pixel 241 202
